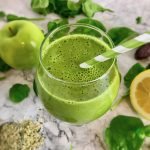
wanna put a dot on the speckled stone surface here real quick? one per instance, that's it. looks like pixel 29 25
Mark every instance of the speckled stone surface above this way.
pixel 60 135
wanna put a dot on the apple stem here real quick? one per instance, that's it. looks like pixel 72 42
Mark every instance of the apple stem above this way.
pixel 11 31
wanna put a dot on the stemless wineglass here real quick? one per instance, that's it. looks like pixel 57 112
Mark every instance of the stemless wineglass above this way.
pixel 76 102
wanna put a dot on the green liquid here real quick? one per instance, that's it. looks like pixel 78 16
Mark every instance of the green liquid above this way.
pixel 74 94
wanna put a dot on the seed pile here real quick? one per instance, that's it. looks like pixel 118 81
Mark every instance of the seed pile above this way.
pixel 20 136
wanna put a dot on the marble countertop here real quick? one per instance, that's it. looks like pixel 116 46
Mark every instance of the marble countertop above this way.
pixel 60 135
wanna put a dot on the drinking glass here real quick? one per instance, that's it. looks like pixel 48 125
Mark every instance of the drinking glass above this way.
pixel 77 102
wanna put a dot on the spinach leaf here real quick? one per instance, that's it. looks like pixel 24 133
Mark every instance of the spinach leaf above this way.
pixel 12 17
pixel 2 14
pixel 43 6
pixel 89 8
pixel 3 66
pixel 126 133
pixel 93 22
pixel 89 31
pixel 56 23
pixel 121 34
pixel 61 8
pixel 74 6
pixel 132 73
pixel 67 8
pixel 18 92
pixel 138 20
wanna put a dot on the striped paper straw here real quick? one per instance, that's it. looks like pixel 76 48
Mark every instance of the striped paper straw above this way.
pixel 124 47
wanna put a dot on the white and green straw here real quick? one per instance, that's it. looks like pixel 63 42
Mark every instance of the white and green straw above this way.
pixel 124 47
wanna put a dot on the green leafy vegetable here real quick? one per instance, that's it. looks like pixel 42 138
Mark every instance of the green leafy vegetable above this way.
pixel 67 8
pixel 126 133
pixel 132 73
pixel 74 6
pixel 138 20
pixel 56 23
pixel 18 92
pixel 121 34
pixel 3 66
pixel 11 17
pixel 89 31
pixel 43 6
pixel 93 22
pixel 35 88
pixel 90 8
pixel 2 14
pixel 61 8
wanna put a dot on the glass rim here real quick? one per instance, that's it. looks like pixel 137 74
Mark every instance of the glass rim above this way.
pixel 79 25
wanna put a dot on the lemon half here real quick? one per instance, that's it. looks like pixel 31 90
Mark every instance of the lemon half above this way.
pixel 140 93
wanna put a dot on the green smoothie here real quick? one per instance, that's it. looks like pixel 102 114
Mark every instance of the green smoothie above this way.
pixel 69 92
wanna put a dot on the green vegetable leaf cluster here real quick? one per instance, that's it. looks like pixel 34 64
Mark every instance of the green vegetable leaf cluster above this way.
pixel 67 8
pixel 18 92
pixel 3 66
pixel 132 73
pixel 121 34
pixel 56 23
pixel 126 133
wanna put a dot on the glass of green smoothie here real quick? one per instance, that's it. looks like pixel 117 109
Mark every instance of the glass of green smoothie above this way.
pixel 71 93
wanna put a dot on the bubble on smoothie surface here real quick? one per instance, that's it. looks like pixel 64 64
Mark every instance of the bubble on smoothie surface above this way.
pixel 64 55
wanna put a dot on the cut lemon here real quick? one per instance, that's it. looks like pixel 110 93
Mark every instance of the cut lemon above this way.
pixel 140 93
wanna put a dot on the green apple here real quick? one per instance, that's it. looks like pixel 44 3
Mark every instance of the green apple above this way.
pixel 20 42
